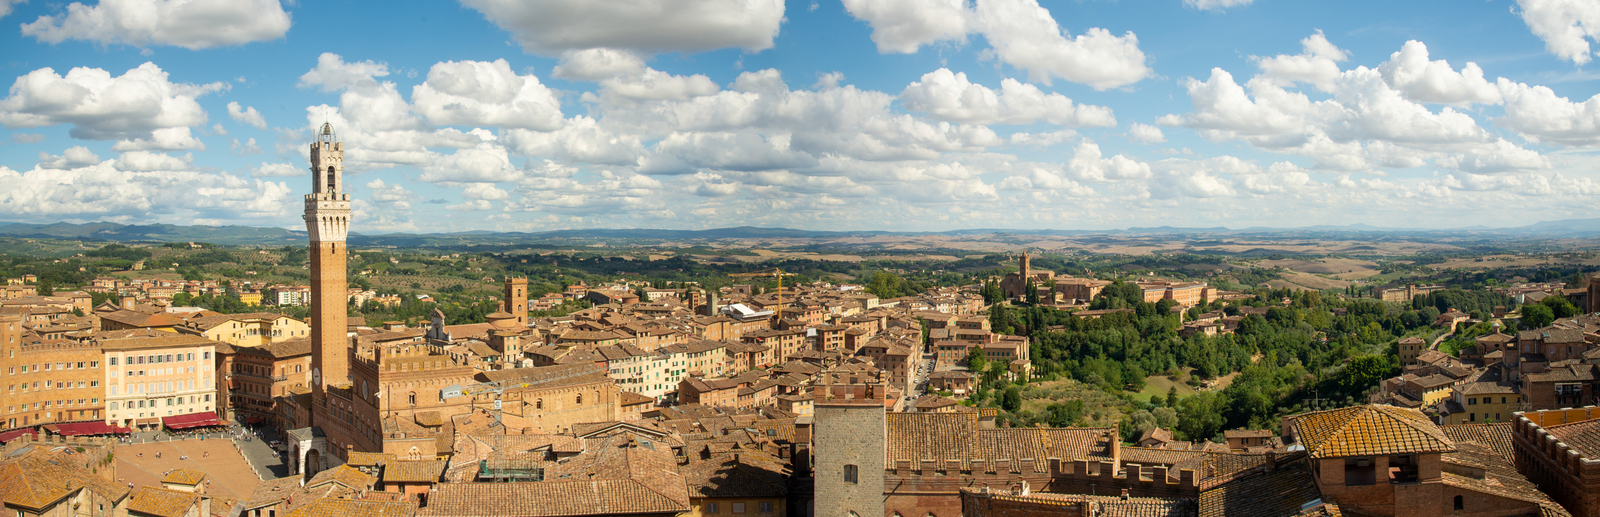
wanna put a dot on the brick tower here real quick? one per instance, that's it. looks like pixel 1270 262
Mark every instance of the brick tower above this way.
pixel 328 222
pixel 516 300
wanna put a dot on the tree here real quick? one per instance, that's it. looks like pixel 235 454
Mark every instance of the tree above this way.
pixel 1172 397
pixel 975 359
pixel 1200 416
pixel 45 288
pixel 1165 417
pixel 1012 401
pixel 1363 372
pixel 1537 315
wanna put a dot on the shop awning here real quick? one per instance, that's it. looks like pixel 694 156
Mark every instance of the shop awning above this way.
pixel 201 419
pixel 253 419
pixel 86 429
pixel 13 434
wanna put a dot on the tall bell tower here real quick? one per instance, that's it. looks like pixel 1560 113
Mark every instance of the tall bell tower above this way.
pixel 328 222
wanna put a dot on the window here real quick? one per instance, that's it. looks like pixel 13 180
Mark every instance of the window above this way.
pixel 850 474
pixel 538 404
pixel 711 508
pixel 1460 504
pixel 738 507
pixel 413 398
pixel 1472 401
pixel 1359 471
pixel 580 399
pixel 766 507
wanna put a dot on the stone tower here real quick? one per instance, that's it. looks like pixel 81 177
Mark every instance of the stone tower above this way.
pixel 516 300
pixel 327 222
pixel 1024 271
pixel 850 431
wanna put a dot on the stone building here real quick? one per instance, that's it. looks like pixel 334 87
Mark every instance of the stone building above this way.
pixel 48 381
pixel 157 375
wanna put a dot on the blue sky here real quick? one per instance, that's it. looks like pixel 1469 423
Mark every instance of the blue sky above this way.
pixel 842 114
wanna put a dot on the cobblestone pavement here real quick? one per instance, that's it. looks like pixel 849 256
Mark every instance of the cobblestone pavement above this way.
pixel 147 462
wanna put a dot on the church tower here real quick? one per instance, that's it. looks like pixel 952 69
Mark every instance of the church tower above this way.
pixel 1024 268
pixel 328 222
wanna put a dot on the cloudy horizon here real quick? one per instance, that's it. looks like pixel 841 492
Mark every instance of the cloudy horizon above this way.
pixel 901 115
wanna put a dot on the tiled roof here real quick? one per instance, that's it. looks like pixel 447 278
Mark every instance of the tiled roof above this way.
pixel 1584 436
pixel 162 502
pixel 1053 503
pixel 1370 430
pixel 331 507
pixel 748 474
pixel 413 471
pixel 32 482
pixel 1500 478
pixel 184 477
pixel 369 459
pixel 548 498
pixel 1283 492
pixel 1496 437
pixel 343 475
pixel 1149 456
pixel 943 437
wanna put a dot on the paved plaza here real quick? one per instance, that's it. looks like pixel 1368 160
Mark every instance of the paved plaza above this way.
pixel 234 467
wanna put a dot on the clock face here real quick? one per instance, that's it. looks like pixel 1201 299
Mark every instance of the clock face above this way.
pixel 316 376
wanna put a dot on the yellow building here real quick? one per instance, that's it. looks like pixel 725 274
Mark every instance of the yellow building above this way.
pixel 250 298
pixel 247 329
pixel 1481 402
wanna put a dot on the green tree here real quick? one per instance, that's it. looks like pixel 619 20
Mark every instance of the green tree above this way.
pixel 1172 397
pixel 1537 315
pixel 1166 417
pixel 1012 400
pixel 1200 416
pixel 1363 372
pixel 976 360
pixel 45 288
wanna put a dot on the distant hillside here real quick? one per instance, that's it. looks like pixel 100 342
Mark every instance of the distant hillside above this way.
pixel 236 235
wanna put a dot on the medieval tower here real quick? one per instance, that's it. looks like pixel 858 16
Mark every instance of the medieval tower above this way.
pixel 516 300
pixel 328 222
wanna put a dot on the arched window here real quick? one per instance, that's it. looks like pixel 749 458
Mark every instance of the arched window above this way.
pixel 412 397
pixel 330 179
pixel 1460 504
pixel 580 399
pixel 538 404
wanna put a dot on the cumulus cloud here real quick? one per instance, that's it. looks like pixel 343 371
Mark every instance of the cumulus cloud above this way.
pixel 277 170
pixel 392 196
pixel 1410 72
pixel 550 27
pixel 682 153
pixel 1042 139
pixel 598 63
pixel 1539 115
pixel 249 147
pixel 479 93
pixel 482 163
pixel 1566 26
pixel 581 140
pixel 170 139
pixel 951 97
pixel 1146 133
pixel 247 115
pixel 73 157
pixel 1020 33
pixel 103 190
pixel 1317 63
pixel 148 161
pixel 333 73
pixel 1215 5
pixel 902 26
pixel 191 24
pixel 102 107
pixel 5 6
pixel 1024 35
pixel 1089 164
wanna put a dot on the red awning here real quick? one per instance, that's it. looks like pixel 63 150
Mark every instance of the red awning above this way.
pixel 7 436
pixel 253 420
pixel 201 419
pixel 86 428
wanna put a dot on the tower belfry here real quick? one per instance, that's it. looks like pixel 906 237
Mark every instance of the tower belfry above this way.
pixel 327 219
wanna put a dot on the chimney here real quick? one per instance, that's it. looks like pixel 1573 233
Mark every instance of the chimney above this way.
pixel 1272 461
pixel 1124 494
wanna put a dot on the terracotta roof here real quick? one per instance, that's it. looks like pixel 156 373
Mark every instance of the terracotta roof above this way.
pixel 184 477
pixel 33 482
pixel 330 507
pixel 1496 437
pixel 343 475
pixel 1370 430
pixel 271 491
pixel 1498 476
pixel 162 502
pixel 747 474
pixel 1152 456
pixel 413 471
pixel 1283 492
pixel 548 498
pixel 155 339
pixel 369 459
pixel 944 437
pixel 1583 436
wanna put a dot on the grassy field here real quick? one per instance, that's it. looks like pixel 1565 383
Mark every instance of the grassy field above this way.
pixel 1160 385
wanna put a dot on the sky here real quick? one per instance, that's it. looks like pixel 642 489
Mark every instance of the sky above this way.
pixel 909 115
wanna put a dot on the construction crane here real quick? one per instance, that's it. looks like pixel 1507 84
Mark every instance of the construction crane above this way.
pixel 774 272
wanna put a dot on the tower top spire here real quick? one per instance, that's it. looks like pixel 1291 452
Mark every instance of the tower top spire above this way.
pixel 326 134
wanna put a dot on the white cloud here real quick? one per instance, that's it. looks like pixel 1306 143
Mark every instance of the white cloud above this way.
pixel 581 140
pixel 73 157
pixel 169 139
pixel 1421 80
pixel 148 161
pixel 483 163
pixel 393 196
pixel 598 63
pixel 102 107
pixel 1042 139
pixel 247 148
pixel 1019 32
pixel 472 205
pixel 333 73
pixel 904 25
pixel 1089 164
pixel 5 6
pixel 484 93
pixel 247 115
pixel 1024 35
pixel 191 24
pixel 27 138
pixel 682 153
pixel 1566 26
pixel 277 170
pixel 950 96
pixel 550 27
pixel 1540 116
pixel 1146 133
pixel 1215 5
pixel 484 191
pixel 103 190
pixel 1317 63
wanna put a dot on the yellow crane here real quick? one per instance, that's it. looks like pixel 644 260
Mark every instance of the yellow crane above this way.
pixel 774 272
